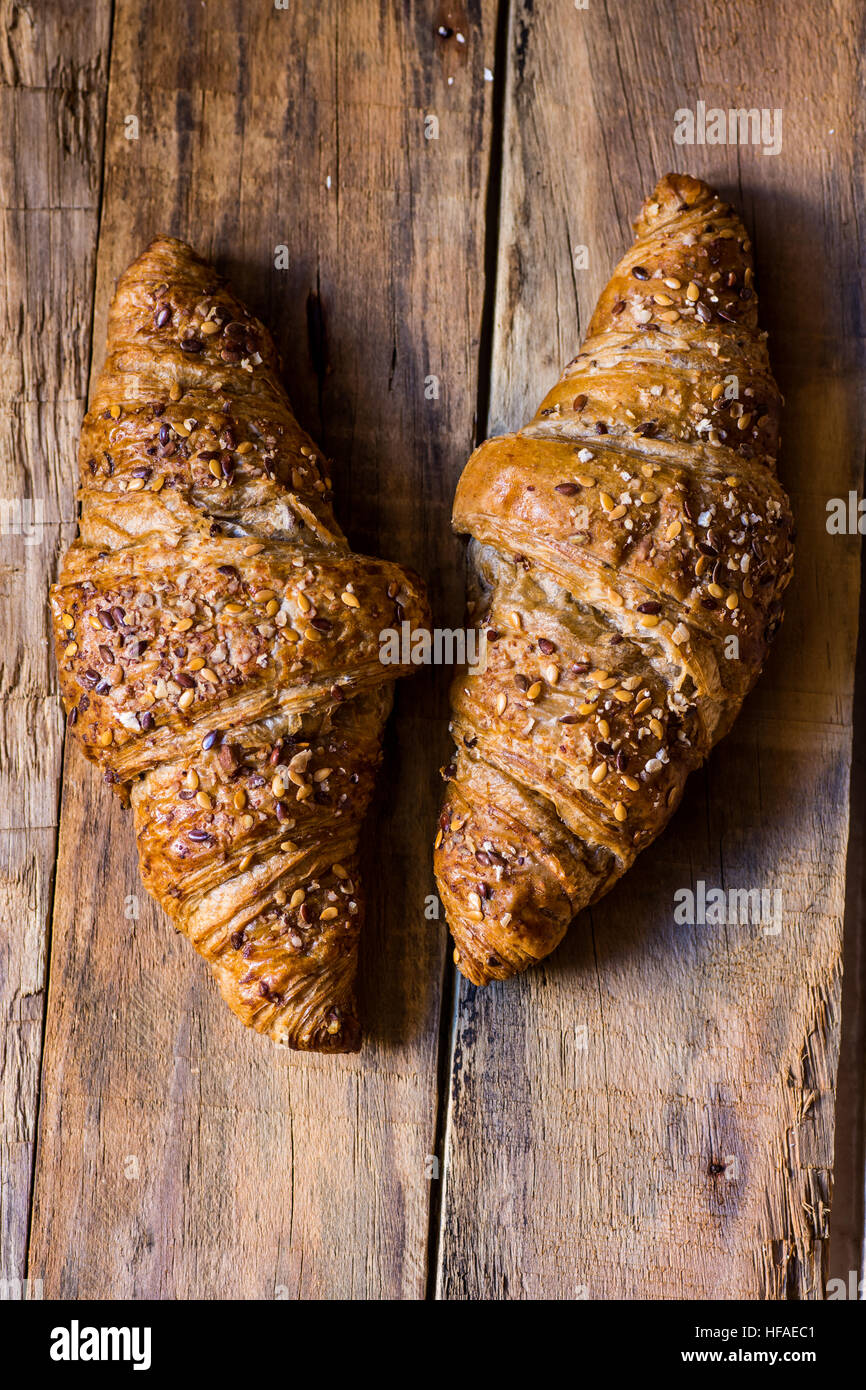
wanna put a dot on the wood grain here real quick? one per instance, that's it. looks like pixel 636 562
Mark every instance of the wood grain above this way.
pixel 180 1157
pixel 53 77
pixel 650 1115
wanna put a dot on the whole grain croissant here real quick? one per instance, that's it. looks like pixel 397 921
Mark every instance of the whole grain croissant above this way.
pixel 631 548
pixel 218 646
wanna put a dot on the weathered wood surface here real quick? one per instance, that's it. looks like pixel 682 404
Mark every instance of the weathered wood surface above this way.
pixel 52 99
pixel 651 1115
pixel 179 1155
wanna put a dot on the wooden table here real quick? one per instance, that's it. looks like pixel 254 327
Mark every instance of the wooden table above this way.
pixel 651 1114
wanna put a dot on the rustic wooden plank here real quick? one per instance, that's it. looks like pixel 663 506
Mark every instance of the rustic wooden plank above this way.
pixel 651 1114
pixel 53 77
pixel 179 1156
pixel 848 1237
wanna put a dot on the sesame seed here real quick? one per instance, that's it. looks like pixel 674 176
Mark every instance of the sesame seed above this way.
pixel 437 842
pixel 501 702
pixel 619 811
pixel 105 738
pixel 327 915
pixel 186 699
pixel 204 801
pixel 239 800
pixel 598 773
pixel 350 600
pixel 673 530
pixel 534 691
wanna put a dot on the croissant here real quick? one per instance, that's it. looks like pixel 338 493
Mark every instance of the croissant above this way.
pixel 630 549
pixel 218 648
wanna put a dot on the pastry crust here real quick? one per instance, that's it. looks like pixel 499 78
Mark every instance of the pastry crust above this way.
pixel 631 549
pixel 218 646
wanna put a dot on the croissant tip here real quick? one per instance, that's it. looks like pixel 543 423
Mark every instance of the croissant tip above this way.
pixel 171 252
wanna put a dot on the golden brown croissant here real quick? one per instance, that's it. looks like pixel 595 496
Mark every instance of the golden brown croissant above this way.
pixel 631 547
pixel 218 645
